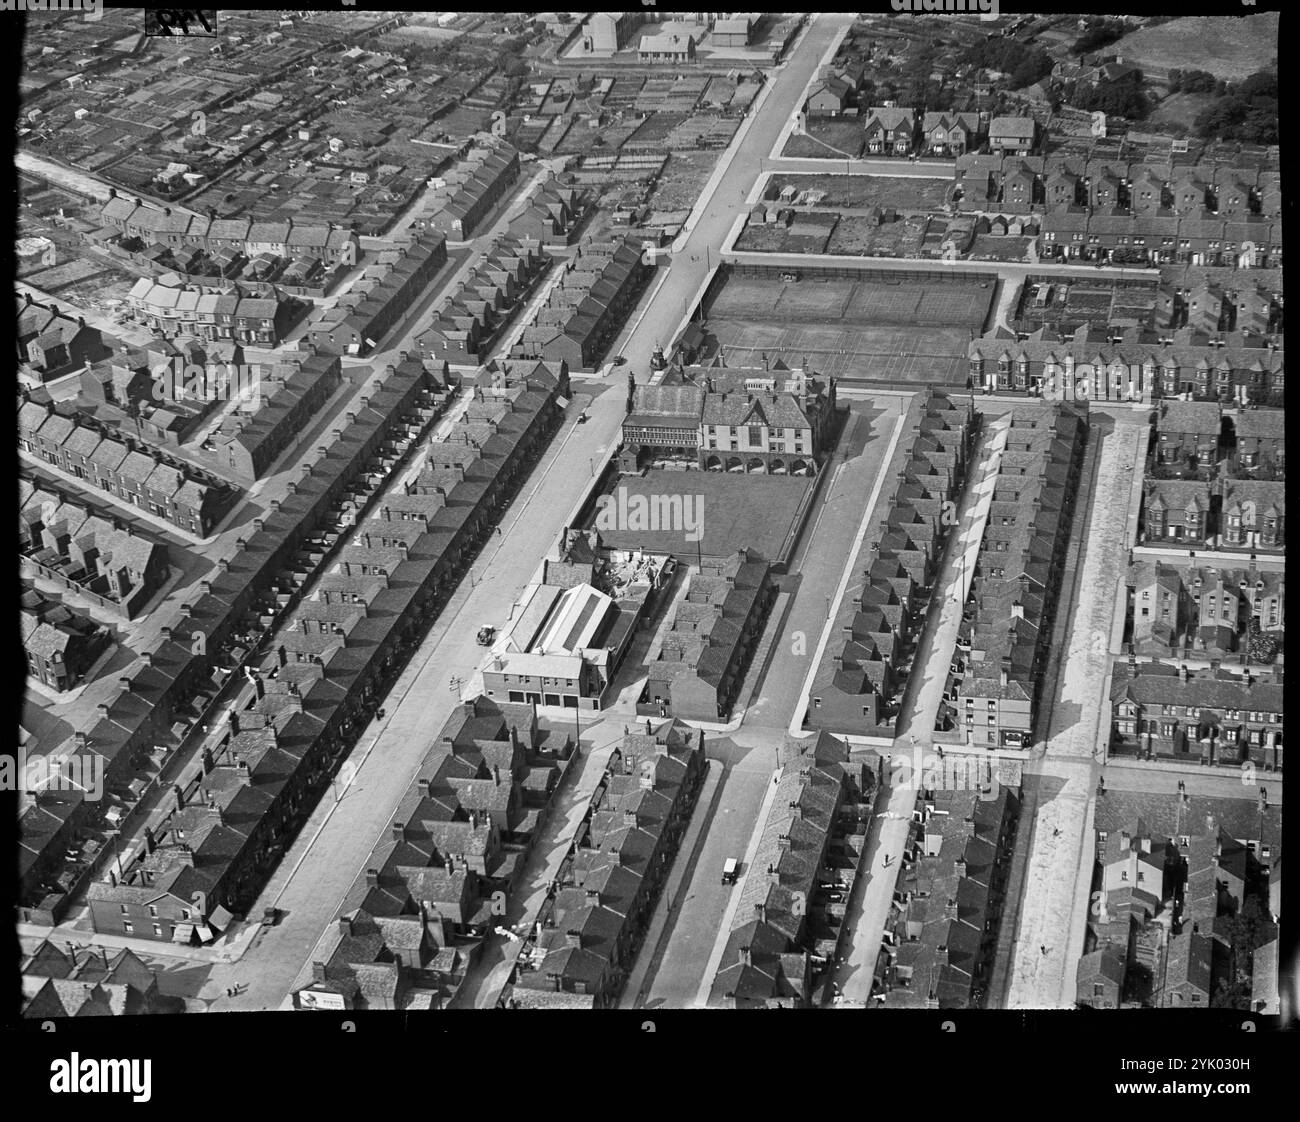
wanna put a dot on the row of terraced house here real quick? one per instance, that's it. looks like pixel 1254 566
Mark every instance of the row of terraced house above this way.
pixel 789 924
pixel 211 313
pixel 947 904
pixel 326 664
pixel 465 195
pixel 163 698
pixel 594 919
pixel 586 308
pixel 1129 364
pixel 414 920
pixel 379 299
pixel 120 467
pixel 854 689
pixel 65 542
pixel 1007 621
pixel 468 320
pixel 704 653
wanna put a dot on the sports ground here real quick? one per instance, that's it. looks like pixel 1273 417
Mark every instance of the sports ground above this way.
pixel 911 332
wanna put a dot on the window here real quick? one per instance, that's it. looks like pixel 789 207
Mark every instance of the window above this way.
pixel 153 911
pixel 157 929
pixel 128 926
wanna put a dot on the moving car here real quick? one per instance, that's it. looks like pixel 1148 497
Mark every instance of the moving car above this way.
pixel 485 635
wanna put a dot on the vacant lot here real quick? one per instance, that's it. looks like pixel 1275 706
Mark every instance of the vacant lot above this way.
pixel 987 247
pixel 682 181
pixel 828 137
pixel 865 303
pixel 1179 111
pixel 1229 47
pixel 755 511
pixel 902 192
pixel 907 355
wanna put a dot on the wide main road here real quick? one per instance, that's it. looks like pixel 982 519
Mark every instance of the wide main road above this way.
pixel 330 852
pixel 726 193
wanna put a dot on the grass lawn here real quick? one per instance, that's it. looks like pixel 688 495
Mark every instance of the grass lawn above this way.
pixel 844 136
pixel 902 192
pixel 1179 110
pixel 1229 47
pixel 682 181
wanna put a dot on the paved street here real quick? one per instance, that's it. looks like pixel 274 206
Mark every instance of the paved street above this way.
pixel 698 924
pixel 872 895
pixel 717 210
pixel 314 875
pixel 1060 783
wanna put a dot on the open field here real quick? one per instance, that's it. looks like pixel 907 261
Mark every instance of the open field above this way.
pixel 902 192
pixel 1179 111
pixel 861 237
pixel 682 181
pixel 828 138
pixel 756 511
pixel 864 303
pixel 902 355
pixel 1229 47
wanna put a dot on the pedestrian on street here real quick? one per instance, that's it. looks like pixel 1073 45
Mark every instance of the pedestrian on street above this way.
pixel 1043 947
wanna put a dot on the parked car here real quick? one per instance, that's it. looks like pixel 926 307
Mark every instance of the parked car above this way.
pixel 730 870
pixel 485 635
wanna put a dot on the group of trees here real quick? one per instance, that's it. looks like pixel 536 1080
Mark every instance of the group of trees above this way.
pixel 1024 64
pixel 1099 33
pixel 1124 98
pixel 1247 111
pixel 1196 81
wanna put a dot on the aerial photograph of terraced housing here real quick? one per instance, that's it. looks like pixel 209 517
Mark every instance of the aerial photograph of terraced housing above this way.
pixel 914 638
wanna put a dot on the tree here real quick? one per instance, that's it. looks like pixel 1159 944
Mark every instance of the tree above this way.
pixel 1100 33
pixel 1124 98
pixel 1246 112
pixel 1262 646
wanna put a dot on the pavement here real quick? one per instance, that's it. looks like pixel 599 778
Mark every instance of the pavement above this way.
pixel 721 202
pixel 670 897
pixel 314 876
pixel 1061 781
pixel 872 896
pixel 845 491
